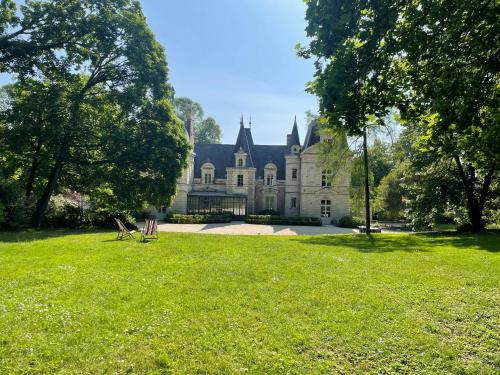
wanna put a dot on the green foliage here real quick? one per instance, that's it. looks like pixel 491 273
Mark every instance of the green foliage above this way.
pixel 102 217
pixel 349 222
pixel 269 212
pixel 390 194
pixel 15 208
pixel 97 113
pixel 208 131
pixel 63 212
pixel 198 219
pixel 283 220
pixel 205 130
pixel 197 304
pixel 186 107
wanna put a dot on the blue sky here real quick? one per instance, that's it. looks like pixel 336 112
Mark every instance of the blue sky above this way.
pixel 237 56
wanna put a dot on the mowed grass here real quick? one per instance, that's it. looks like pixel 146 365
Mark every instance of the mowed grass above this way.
pixel 83 303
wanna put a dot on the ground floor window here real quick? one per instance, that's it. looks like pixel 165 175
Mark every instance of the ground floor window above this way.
pixel 293 202
pixel 269 203
pixel 198 204
pixel 162 210
pixel 326 208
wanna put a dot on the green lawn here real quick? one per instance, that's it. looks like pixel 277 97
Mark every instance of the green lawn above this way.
pixel 84 303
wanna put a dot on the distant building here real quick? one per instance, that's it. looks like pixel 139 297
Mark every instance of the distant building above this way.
pixel 245 178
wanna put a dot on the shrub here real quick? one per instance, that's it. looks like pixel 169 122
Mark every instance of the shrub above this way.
pixel 15 209
pixel 105 218
pixel 63 212
pixel 349 222
pixel 197 219
pixel 269 212
pixel 283 220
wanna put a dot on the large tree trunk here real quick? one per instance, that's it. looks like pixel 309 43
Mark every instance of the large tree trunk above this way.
pixel 367 183
pixel 44 200
pixel 34 169
pixel 475 201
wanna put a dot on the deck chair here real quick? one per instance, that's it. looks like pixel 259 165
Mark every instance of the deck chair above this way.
pixel 150 230
pixel 123 232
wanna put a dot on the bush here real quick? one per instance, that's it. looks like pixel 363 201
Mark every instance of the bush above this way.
pixel 283 220
pixel 349 222
pixel 197 219
pixel 63 212
pixel 15 209
pixel 269 212
pixel 105 218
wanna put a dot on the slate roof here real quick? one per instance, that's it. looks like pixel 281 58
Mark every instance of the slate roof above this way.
pixel 222 155
pixel 270 154
pixel 312 136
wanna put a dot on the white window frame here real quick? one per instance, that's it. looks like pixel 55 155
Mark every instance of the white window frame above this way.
pixel 326 208
pixel 326 177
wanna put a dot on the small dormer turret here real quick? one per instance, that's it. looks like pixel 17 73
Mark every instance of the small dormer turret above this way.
pixel 293 140
pixel 240 158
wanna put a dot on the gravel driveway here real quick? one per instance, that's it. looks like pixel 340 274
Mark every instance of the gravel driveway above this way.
pixel 240 227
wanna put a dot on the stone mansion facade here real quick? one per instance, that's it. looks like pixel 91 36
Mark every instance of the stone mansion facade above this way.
pixel 245 178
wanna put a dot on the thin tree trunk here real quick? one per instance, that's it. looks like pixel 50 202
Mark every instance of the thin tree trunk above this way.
pixel 34 169
pixel 474 205
pixel 367 183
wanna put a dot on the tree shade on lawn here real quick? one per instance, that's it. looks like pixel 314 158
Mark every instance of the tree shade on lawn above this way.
pixel 83 303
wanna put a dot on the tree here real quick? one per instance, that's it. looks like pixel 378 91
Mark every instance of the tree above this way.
pixel 345 36
pixel 116 125
pixel 29 36
pixel 186 107
pixel 447 54
pixel 208 131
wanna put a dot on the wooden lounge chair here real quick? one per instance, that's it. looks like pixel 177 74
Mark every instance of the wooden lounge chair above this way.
pixel 150 230
pixel 123 231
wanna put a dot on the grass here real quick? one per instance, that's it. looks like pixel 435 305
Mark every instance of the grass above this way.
pixel 83 303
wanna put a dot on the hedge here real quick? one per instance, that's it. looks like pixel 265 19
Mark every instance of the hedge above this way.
pixel 283 220
pixel 197 219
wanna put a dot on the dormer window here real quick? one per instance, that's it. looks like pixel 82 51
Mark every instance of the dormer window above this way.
pixel 208 173
pixel 270 172
pixel 240 158
pixel 270 179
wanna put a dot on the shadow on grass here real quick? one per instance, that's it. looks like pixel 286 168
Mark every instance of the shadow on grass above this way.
pixel 31 235
pixel 412 243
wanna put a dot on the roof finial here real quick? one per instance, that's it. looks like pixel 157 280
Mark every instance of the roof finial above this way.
pixel 295 121
pixel 241 120
pixel 250 122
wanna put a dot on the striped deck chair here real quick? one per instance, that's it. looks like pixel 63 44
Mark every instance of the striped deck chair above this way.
pixel 150 230
pixel 123 231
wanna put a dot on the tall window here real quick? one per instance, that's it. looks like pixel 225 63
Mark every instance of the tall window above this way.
pixel 269 203
pixel 294 173
pixel 270 179
pixel 240 180
pixel 326 178
pixel 326 208
pixel 208 178
pixel 293 202
pixel 240 162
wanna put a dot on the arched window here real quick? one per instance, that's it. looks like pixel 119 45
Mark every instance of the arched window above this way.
pixel 270 172
pixel 208 173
